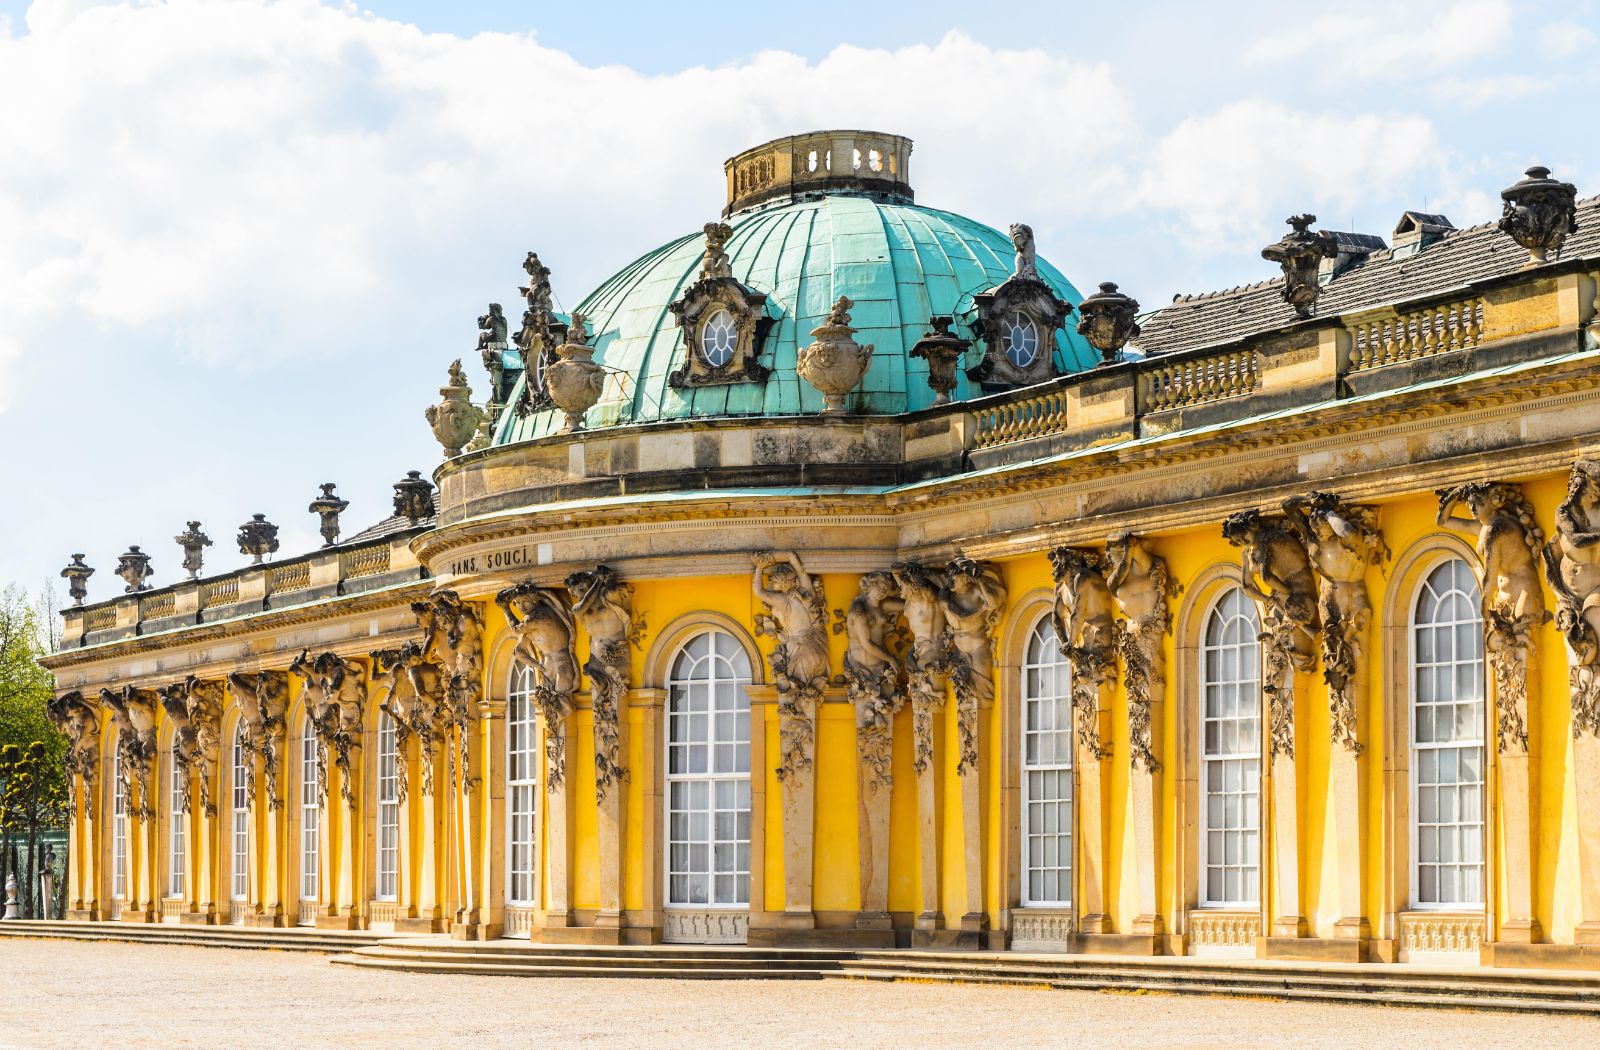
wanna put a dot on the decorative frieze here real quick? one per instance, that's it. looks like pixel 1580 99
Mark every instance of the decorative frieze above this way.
pixel 1041 929
pixel 1224 929
pixel 1427 931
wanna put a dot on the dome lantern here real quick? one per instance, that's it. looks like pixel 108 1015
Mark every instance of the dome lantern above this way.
pixel 867 162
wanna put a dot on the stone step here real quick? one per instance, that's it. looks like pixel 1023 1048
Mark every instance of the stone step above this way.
pixel 201 936
pixel 629 951
pixel 638 960
pixel 542 968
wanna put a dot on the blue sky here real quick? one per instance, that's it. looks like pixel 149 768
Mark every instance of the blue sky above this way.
pixel 240 242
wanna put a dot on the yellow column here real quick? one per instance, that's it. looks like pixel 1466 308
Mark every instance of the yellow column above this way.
pixel 926 703
pixel 558 815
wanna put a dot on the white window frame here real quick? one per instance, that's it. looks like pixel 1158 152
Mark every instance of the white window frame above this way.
pixel 1043 662
pixel 240 866
pixel 119 826
pixel 1247 835
pixel 677 685
pixel 310 817
pixel 730 329
pixel 1473 839
pixel 175 830
pixel 522 789
pixel 1024 322
pixel 387 869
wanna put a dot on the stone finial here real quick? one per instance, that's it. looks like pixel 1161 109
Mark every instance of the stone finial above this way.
pixel 1106 319
pixel 77 576
pixel 413 497
pixel 1027 264
pixel 574 380
pixel 835 362
pixel 943 351
pixel 328 507
pixel 1300 253
pixel 716 262
pixel 134 568
pixel 193 541
pixel 1539 213
pixel 455 418
pixel 258 538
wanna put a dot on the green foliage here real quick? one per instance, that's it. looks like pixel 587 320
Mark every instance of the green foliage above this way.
pixel 32 772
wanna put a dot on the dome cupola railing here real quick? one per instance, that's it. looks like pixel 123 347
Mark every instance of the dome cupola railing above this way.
pixel 869 162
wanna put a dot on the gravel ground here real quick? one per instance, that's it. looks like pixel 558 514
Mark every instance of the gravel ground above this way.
pixel 66 994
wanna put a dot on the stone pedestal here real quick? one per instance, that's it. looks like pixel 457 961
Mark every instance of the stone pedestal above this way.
pixel 973 727
pixel 1586 777
pixel 874 788
pixel 924 719
pixel 797 775
pixel 1091 764
pixel 1283 804
pixel 558 845
pixel 1142 785
pixel 612 803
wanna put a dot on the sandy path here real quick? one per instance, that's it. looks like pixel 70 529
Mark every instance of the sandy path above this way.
pixel 67 994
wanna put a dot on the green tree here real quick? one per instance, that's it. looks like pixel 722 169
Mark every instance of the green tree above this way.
pixel 33 786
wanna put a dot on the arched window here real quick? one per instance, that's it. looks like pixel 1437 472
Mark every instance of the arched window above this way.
pixel 1019 338
pixel 1447 727
pixel 1046 771
pixel 241 820
pixel 119 827
pixel 388 809
pixel 708 774
pixel 718 338
pixel 522 790
pixel 310 814
pixel 1230 755
pixel 175 821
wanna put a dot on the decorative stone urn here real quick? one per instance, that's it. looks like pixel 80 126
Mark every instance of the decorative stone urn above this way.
pixel 328 507
pixel 77 576
pixel 943 351
pixel 413 497
pixel 258 538
pixel 573 379
pixel 1106 319
pixel 134 568
pixel 455 418
pixel 1300 254
pixel 1539 213
pixel 194 542
pixel 835 363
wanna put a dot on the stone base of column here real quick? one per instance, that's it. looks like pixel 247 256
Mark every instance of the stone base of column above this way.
pixel 197 918
pixel 1587 933
pixel 928 920
pixel 135 915
pixel 950 940
pixel 340 922
pixel 608 920
pixel 1520 931
pixel 1096 924
pixel 83 915
pixel 1118 944
pixel 1543 956
pixel 843 937
pixel 1352 929
pixel 874 920
pixel 1312 949
pixel 268 921
pixel 555 919
pixel 1286 926
pixel 474 931
pixel 1148 926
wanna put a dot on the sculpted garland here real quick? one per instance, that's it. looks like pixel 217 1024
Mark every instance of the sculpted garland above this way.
pixel 795 616
pixel 1500 521
pixel 1572 564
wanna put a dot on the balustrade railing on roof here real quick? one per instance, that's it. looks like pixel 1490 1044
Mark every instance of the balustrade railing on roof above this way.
pixel 1197 380
pixel 157 606
pixel 293 577
pixel 219 592
pixel 1030 417
pixel 1415 334
pixel 99 619
pixel 365 561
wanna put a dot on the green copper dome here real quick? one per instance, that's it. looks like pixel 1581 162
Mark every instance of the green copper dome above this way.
pixel 900 263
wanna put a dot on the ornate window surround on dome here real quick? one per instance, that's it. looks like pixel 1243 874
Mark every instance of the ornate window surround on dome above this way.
pixel 1021 302
pixel 716 296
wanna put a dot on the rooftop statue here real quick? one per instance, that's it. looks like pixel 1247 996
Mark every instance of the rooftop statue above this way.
pixel 193 541
pixel 716 262
pixel 1026 264
pixel 1299 254
pixel 1539 213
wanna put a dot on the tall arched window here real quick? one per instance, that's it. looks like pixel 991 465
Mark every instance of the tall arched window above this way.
pixel 388 810
pixel 1447 727
pixel 241 820
pixel 522 790
pixel 708 774
pixel 119 827
pixel 175 821
pixel 310 814
pixel 1230 755
pixel 1046 771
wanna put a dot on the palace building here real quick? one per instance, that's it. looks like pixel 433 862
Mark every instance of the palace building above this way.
pixel 838 575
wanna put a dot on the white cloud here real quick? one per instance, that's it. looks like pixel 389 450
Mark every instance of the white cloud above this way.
pixel 1400 40
pixel 1499 89
pixel 1566 39
pixel 1232 176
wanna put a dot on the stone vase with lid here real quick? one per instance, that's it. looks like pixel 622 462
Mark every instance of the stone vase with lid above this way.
pixel 574 380
pixel 835 362
pixel 455 418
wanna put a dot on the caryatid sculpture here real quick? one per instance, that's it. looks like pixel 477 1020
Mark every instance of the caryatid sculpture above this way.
pixel 1277 574
pixel 175 701
pixel 928 658
pixel 1500 522
pixel 203 701
pixel 335 698
pixel 1138 579
pixel 545 632
pixel 1572 564
pixel 1086 629
pixel 603 603
pixel 134 711
pixel 1344 541
pixel 972 597
pixel 414 685
pixel 795 617
pixel 76 717
pixel 453 638
pixel 263 699
pixel 873 671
